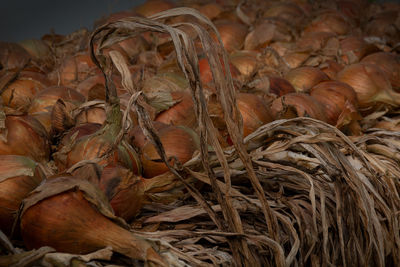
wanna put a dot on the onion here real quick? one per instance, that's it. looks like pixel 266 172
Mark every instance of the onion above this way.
pixel 265 33
pixel 19 93
pixel 331 68
pixel 25 136
pixel 210 10
pixel 354 48
pixel 254 111
pixel 232 35
pixel 383 26
pixel 304 78
pixel 279 86
pixel 91 114
pixel 329 21
pixel 137 137
pixel 151 7
pixel 71 215
pixel 19 176
pixel 179 144
pixel 297 105
pixel 96 146
pixel 389 63
pixel 75 69
pixel 290 13
pixel 12 56
pixel 124 190
pixel 45 99
pixel 38 49
pixel 314 41
pixel 93 87
pixel 370 83
pixel 333 95
pixel 206 74
pixel 245 62
pixel 182 113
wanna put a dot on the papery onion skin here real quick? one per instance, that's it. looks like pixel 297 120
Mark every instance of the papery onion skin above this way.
pixel 181 113
pixel 297 105
pixel 75 69
pixel 280 86
pixel 388 63
pixel 25 137
pixel 151 7
pixel 254 111
pixel 12 56
pixel 333 96
pixel 232 35
pixel 72 216
pixel 19 176
pixel 370 83
pixel 124 190
pixel 178 142
pixel 46 98
pixel 19 94
pixel 329 21
pixel 304 78
pixel 137 137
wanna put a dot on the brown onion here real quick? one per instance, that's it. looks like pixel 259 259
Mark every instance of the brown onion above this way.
pixel 124 190
pixel 25 136
pixel 71 215
pixel 245 61
pixel 331 68
pixel 304 78
pixel 333 95
pixel 353 49
pixel 254 111
pixel 210 10
pixel 97 146
pixel 388 63
pixel 297 105
pixel 182 113
pixel 286 11
pixel 383 25
pixel 314 41
pixel 137 137
pixel 38 49
pixel 329 21
pixel 370 83
pixel 19 93
pixel 12 56
pixel 206 74
pixel 19 176
pixel 179 144
pixel 45 99
pixel 151 7
pixel 74 69
pixel 232 35
pixel 91 114
pixel 265 33
pixel 279 86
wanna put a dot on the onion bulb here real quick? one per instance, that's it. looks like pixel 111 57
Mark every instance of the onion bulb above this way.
pixel 19 176
pixel 151 7
pixel 297 105
pixel 329 21
pixel 20 92
pixel 232 35
pixel 25 136
pixel 179 144
pixel 71 215
pixel 370 83
pixel 304 78
pixel 389 63
pixel 333 95
pixel 12 56
pixel 182 113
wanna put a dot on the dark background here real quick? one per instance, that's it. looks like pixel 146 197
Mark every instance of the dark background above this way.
pixel 28 19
